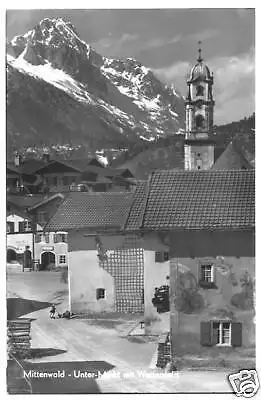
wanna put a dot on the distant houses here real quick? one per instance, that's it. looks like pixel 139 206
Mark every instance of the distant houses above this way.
pixel 31 176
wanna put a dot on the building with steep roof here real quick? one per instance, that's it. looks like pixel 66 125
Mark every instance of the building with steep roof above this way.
pixel 105 264
pixel 198 231
pixel 26 217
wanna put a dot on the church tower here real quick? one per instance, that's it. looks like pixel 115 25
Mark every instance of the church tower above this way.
pixel 199 143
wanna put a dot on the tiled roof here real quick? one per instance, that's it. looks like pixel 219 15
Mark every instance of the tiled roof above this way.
pixel 137 209
pixel 91 210
pixel 232 158
pixel 199 200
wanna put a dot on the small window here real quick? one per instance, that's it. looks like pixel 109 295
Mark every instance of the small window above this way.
pixel 206 273
pixel 220 333
pixel 46 238
pixel 100 293
pixel 206 276
pixel 10 227
pixel 25 226
pixel 60 238
pixel 62 259
pixel 38 238
pixel 200 90
pixel 161 256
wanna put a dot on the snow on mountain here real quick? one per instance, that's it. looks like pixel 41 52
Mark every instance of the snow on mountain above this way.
pixel 122 93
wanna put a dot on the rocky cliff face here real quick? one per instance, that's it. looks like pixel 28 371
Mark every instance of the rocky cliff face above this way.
pixel 60 90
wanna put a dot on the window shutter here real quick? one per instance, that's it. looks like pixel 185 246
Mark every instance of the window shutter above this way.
pixel 158 256
pixel 236 334
pixel 214 269
pixel 199 272
pixel 205 333
pixel 21 227
pixel 11 227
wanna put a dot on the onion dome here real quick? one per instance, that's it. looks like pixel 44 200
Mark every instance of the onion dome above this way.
pixel 200 71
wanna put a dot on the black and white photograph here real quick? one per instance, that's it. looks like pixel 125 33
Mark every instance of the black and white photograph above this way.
pixel 130 201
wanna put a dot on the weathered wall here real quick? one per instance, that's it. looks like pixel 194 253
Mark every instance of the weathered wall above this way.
pixel 190 304
pixel 124 266
pixel 85 277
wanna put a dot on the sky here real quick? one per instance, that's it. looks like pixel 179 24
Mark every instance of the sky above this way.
pixel 165 40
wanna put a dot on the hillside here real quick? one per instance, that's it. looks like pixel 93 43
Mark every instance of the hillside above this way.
pixel 61 92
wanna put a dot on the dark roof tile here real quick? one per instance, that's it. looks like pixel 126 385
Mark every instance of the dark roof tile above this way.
pixel 91 210
pixel 197 200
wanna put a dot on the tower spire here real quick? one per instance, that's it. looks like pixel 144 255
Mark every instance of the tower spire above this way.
pixel 200 59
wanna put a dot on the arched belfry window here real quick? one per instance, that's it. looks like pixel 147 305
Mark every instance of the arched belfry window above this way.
pixel 199 121
pixel 200 90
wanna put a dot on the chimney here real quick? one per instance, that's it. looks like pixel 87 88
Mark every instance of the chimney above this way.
pixel 17 159
pixel 46 158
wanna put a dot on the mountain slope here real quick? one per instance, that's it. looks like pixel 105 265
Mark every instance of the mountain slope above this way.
pixel 61 91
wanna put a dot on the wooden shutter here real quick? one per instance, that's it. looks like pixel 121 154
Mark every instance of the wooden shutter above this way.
pixel 236 334
pixel 11 227
pixel 205 333
pixel 199 272
pixel 21 227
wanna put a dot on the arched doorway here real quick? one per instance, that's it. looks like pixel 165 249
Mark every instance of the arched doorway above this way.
pixel 11 255
pixel 47 259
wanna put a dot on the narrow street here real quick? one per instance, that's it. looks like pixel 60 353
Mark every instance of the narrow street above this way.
pixel 96 345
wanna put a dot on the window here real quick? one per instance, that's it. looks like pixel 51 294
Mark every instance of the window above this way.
pixel 62 259
pixel 100 293
pixel 206 273
pixel 38 238
pixel 200 90
pixel 10 227
pixel 60 238
pixel 46 237
pixel 220 333
pixel 199 121
pixel 25 226
pixel 207 276
pixel 161 256
pixel 54 180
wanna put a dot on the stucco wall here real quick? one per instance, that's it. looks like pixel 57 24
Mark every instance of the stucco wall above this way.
pixel 121 274
pixel 16 219
pixel 212 304
pixel 56 248
pixel 85 277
